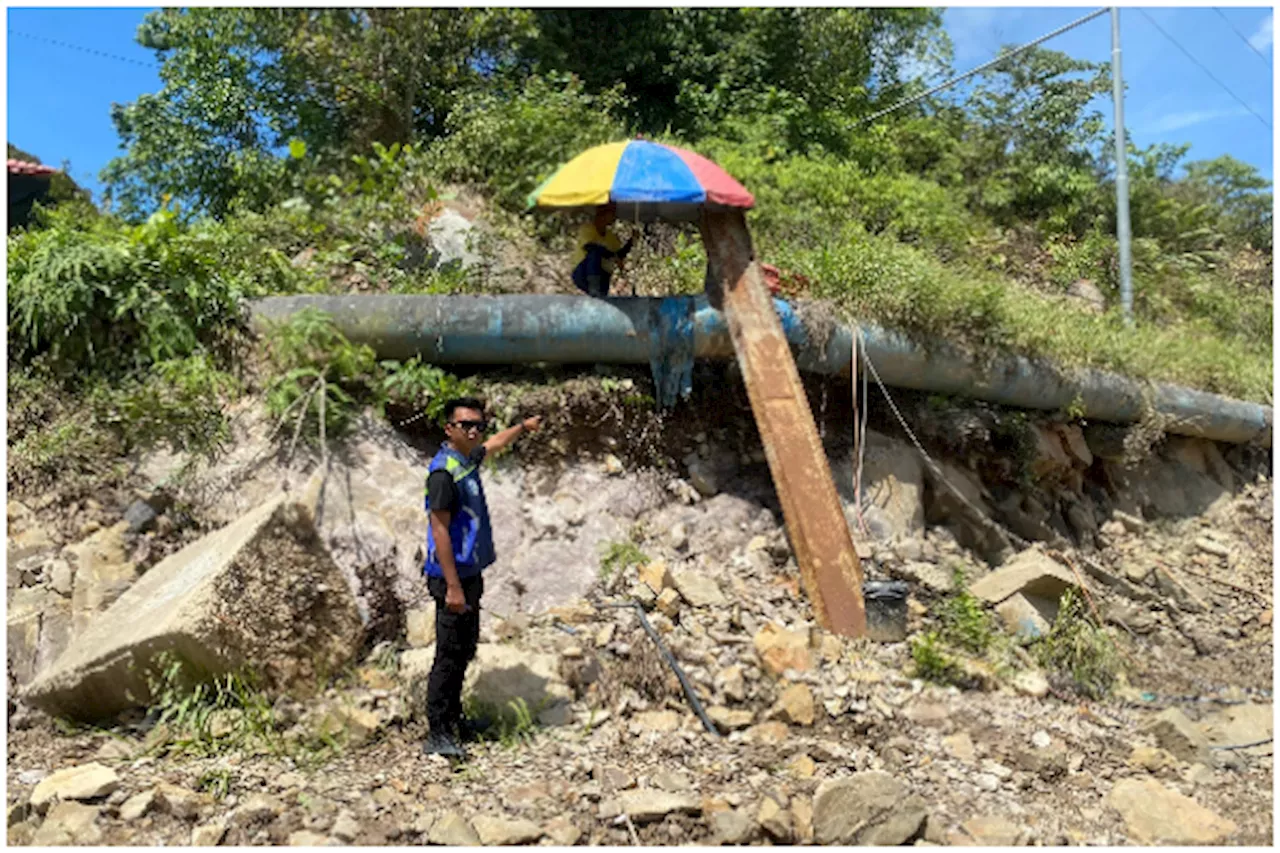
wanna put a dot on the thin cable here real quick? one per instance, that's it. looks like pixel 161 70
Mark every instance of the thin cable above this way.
pixel 82 49
pixel 1243 37
pixel 1001 58
pixel 982 517
pixel 1187 53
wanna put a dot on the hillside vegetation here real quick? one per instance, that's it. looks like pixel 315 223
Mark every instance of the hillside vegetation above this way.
pixel 306 151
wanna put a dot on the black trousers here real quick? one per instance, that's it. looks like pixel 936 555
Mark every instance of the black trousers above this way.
pixel 457 635
pixel 590 275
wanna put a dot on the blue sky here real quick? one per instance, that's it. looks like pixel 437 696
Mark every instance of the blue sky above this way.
pixel 59 99
pixel 1167 98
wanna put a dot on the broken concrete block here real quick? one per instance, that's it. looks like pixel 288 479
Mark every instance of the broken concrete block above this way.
pixel 261 591
pixel 1031 573
pixel 1023 617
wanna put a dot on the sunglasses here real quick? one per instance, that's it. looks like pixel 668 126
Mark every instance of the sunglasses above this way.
pixel 479 426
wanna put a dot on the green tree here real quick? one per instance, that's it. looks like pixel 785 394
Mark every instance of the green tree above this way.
pixel 1033 140
pixel 1240 194
pixel 689 70
pixel 240 84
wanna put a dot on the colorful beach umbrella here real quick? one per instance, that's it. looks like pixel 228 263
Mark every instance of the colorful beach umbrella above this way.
pixel 646 180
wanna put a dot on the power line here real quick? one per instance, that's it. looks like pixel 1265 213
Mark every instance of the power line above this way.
pixel 1001 58
pixel 82 49
pixel 1243 37
pixel 1186 53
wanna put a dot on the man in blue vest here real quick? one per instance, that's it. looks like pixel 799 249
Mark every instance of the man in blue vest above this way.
pixel 459 549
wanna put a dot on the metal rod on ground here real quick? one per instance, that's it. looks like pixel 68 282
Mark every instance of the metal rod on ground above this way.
pixel 1123 234
pixel 689 692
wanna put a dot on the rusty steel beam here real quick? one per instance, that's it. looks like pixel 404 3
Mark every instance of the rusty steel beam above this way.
pixel 819 534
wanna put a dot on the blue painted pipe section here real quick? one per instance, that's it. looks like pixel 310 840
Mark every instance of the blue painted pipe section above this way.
pixel 668 332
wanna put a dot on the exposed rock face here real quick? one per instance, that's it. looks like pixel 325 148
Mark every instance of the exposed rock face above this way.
pixel 262 589
pixel 892 487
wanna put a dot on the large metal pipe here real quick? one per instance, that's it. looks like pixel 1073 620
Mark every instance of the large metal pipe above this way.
pixel 640 330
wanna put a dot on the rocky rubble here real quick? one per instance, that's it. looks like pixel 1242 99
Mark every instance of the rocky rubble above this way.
pixel 819 739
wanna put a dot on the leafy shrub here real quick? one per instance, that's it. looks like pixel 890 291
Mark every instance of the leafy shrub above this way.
pixel 966 623
pixel 421 387
pixel 315 365
pixel 93 294
pixel 1080 650
pixel 932 662
pixel 618 557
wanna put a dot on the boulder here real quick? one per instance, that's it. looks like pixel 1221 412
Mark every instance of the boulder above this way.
pixel 1236 724
pixel 646 804
pixel 452 830
pixel 970 528
pixel 69 824
pixel 262 590
pixel 656 576
pixel 83 782
pixel 1087 296
pixel 866 808
pixel 774 820
pixel 795 705
pixel 656 721
pixel 501 832
pixel 986 831
pixel 452 237
pixel 211 835
pixel 1050 458
pixel 730 719
pixel 698 590
pixel 501 675
pixel 780 649
pixel 730 682
pixel 138 805
pixel 140 516
pixel 32 541
pixel 563 832
pixel 928 575
pixel 1153 814
pixel 1177 734
pixel 732 827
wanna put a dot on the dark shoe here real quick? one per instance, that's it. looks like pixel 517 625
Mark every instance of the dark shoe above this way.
pixel 445 744
pixel 473 729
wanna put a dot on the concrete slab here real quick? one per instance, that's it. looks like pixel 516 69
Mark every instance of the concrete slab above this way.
pixel 1031 573
pixel 262 591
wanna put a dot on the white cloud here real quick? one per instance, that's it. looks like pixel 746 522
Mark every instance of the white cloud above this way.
pixel 1262 37
pixel 1179 120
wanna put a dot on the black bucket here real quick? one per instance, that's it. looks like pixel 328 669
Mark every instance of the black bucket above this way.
pixel 886 604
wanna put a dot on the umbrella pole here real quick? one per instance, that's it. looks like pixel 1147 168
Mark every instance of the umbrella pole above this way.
pixel 816 525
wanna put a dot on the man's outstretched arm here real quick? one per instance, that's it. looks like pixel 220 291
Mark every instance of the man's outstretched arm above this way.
pixel 508 435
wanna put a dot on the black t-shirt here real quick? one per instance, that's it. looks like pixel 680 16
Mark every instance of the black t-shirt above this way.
pixel 442 491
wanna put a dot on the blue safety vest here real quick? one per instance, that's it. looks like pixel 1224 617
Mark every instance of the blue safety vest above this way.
pixel 469 528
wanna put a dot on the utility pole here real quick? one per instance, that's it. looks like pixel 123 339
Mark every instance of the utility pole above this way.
pixel 1123 234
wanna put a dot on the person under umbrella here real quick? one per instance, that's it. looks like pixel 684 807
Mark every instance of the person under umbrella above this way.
pixel 598 252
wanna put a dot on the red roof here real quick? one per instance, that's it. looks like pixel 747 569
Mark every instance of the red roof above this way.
pixel 21 167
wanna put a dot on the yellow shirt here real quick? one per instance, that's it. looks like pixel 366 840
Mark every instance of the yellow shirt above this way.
pixel 588 234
